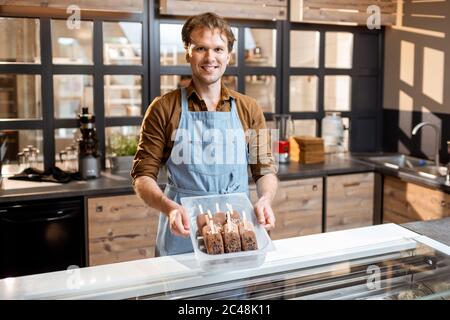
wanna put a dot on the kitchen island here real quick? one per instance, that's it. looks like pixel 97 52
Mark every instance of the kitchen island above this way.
pixel 377 262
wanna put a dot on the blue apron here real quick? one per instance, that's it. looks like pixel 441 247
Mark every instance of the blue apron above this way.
pixel 202 164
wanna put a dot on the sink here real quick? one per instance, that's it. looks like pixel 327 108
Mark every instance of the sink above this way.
pixel 421 167
pixel 398 161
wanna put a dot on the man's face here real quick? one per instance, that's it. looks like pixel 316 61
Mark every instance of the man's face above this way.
pixel 208 55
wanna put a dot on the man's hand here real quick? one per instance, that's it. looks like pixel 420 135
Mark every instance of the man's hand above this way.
pixel 264 213
pixel 179 221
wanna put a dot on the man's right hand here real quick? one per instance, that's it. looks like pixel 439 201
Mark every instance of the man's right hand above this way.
pixel 179 221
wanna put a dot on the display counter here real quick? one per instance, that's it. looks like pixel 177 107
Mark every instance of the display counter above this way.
pixel 377 262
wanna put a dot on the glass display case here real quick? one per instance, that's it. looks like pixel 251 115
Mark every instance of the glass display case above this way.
pixel 419 273
pixel 386 262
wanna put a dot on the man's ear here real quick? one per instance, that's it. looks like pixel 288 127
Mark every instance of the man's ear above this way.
pixel 228 58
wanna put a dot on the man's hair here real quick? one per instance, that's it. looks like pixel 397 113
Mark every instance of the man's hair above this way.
pixel 207 20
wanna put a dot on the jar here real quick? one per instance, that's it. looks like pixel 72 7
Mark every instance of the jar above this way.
pixel 333 132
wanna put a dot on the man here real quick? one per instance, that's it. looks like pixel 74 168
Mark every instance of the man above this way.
pixel 174 131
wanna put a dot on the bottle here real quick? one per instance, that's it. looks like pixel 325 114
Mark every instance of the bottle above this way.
pixel 333 132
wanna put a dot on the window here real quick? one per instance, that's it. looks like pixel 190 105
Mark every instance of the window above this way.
pixel 72 44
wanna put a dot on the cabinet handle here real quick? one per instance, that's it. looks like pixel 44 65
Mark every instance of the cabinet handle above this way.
pixel 351 184
pixel 443 203
pixel 314 188
pixel 99 208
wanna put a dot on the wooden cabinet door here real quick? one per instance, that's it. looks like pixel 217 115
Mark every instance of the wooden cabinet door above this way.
pixel 405 202
pixel 297 207
pixel 120 228
pixel 349 201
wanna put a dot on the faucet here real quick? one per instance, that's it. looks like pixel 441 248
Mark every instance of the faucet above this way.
pixel 438 139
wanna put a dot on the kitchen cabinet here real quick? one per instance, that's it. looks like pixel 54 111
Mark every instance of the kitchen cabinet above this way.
pixel 349 201
pixel 297 207
pixel 120 228
pixel 405 202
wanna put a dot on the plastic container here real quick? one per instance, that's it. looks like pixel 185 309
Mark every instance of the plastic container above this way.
pixel 226 261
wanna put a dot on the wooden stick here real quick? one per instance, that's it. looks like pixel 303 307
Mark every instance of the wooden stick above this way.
pixel 209 214
pixel 217 207
pixel 212 227
pixel 229 207
pixel 244 219
pixel 228 221
pixel 200 208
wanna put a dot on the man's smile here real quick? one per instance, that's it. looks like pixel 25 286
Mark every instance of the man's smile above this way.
pixel 209 68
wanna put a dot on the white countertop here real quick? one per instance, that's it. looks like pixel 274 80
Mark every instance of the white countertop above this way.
pixel 156 275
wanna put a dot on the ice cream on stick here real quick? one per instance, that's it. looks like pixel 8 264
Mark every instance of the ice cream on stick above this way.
pixel 201 219
pixel 235 217
pixel 219 217
pixel 231 239
pixel 247 235
pixel 213 239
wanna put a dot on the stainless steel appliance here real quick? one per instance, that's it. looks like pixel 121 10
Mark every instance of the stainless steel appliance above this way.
pixel 38 237
pixel 88 156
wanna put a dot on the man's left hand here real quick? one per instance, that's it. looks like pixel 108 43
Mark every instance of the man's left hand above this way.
pixel 264 213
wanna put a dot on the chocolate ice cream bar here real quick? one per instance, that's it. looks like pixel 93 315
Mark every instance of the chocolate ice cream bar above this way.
pixel 213 240
pixel 248 236
pixel 201 221
pixel 219 218
pixel 231 238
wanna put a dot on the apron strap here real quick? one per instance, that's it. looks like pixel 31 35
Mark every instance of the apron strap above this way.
pixel 184 101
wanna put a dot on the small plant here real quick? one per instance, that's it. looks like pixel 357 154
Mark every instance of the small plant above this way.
pixel 121 145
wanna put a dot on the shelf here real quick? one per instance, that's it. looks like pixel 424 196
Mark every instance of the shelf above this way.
pixel 123 101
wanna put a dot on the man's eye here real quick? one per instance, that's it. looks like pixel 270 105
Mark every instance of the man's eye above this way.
pixel 219 50
pixel 199 49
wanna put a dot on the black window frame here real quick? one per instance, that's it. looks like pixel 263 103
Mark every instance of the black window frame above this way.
pixel 46 69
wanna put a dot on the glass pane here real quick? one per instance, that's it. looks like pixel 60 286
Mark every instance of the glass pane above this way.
pixel 305 49
pixel 20 96
pixel 121 141
pixel 305 128
pixel 172 50
pixel 337 93
pixel 171 46
pixel 66 148
pixel 303 93
pixel 260 47
pixel 23 149
pixel 338 50
pixel 22 39
pixel 123 96
pixel 71 93
pixel 72 45
pixel 262 88
pixel 122 43
pixel 172 82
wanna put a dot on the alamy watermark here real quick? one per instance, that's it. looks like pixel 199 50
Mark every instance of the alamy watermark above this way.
pixel 74 19
pixel 211 146
pixel 374 20
pixel 373 277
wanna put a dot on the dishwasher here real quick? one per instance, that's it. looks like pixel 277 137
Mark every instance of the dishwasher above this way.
pixel 41 236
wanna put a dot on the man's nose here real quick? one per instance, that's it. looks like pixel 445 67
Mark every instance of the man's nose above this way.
pixel 209 54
